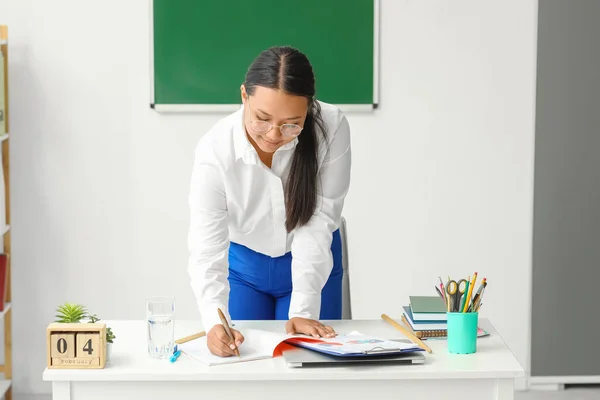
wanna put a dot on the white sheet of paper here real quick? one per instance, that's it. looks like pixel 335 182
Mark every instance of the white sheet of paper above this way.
pixel 257 345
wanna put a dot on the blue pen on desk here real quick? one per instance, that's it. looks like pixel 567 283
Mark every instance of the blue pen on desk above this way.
pixel 175 356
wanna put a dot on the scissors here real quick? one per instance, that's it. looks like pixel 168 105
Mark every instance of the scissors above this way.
pixel 455 292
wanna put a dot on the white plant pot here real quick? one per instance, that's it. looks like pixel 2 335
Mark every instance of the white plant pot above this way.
pixel 108 351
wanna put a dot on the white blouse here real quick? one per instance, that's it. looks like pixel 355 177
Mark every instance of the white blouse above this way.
pixel 235 197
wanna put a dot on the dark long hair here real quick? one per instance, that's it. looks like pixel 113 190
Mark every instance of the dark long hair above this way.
pixel 289 70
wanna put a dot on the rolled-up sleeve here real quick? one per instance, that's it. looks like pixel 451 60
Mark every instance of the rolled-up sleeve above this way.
pixel 208 238
pixel 312 261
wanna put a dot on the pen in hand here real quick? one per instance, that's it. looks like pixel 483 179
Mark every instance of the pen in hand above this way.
pixel 228 330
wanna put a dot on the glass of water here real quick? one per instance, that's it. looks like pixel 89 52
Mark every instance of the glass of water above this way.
pixel 160 316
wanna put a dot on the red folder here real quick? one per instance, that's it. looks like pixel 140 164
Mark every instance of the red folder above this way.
pixel 3 279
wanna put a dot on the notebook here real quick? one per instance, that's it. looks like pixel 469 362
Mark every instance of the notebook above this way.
pixel 257 345
pixel 260 344
pixel 423 325
pixel 428 308
pixel 436 333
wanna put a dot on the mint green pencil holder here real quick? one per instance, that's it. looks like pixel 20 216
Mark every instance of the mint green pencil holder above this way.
pixel 462 332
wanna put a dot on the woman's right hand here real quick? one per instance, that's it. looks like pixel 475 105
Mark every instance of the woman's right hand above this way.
pixel 219 343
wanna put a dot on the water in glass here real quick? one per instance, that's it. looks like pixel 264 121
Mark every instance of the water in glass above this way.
pixel 160 327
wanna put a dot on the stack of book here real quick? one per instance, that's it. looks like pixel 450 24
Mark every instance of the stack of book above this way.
pixel 425 316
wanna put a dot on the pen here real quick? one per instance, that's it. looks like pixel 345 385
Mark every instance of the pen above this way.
pixel 440 293
pixel 175 356
pixel 477 295
pixel 480 299
pixel 442 288
pixel 227 330
pixel 442 296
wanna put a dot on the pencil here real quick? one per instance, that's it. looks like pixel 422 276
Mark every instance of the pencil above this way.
pixel 406 333
pixel 191 337
pixel 468 296
pixel 448 297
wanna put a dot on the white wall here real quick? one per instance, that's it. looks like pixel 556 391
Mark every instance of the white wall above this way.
pixel 442 172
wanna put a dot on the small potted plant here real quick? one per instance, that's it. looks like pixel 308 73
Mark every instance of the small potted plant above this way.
pixel 110 336
pixel 70 313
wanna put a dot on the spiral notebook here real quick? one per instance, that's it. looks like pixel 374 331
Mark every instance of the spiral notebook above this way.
pixel 436 333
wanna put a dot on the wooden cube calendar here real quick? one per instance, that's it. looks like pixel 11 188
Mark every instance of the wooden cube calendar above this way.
pixel 76 345
pixel 62 345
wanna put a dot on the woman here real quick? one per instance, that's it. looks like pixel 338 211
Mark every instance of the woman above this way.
pixel 266 197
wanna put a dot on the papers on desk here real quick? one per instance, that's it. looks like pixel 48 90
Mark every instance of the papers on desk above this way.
pixel 355 344
pixel 260 344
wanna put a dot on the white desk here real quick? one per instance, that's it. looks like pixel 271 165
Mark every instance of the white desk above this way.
pixel 132 374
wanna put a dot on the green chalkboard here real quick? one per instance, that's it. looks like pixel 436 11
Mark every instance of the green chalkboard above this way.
pixel 202 48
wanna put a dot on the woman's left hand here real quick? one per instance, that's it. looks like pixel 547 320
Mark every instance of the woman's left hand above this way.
pixel 308 327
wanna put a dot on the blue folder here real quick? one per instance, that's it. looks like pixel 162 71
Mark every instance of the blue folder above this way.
pixel 375 350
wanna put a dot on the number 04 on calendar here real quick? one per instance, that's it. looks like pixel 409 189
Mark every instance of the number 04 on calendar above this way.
pixel 76 345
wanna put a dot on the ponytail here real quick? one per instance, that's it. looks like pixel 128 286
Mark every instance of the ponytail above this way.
pixel 302 190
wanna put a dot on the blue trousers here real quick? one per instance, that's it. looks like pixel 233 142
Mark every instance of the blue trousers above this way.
pixel 261 286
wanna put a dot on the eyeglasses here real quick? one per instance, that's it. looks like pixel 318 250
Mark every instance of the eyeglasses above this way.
pixel 260 126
